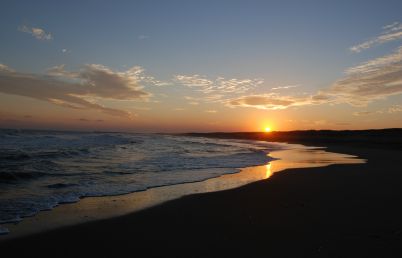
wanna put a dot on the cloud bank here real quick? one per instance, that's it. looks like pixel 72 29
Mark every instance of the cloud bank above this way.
pixel 76 90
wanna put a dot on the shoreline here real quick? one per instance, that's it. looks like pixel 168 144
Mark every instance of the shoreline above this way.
pixel 89 209
pixel 332 211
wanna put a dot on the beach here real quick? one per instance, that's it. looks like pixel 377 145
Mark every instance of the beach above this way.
pixel 201 129
pixel 348 210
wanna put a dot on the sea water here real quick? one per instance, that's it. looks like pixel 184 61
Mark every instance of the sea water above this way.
pixel 41 169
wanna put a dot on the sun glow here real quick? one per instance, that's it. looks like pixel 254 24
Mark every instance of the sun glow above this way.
pixel 267 129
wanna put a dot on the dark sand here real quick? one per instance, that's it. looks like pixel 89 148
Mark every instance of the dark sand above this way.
pixel 336 211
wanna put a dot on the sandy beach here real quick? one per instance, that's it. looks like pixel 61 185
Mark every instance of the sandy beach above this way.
pixel 335 211
pixel 201 129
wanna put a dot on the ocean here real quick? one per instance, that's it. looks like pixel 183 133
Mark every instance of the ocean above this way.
pixel 42 169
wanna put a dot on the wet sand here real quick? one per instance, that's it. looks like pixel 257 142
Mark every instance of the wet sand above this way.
pixel 349 210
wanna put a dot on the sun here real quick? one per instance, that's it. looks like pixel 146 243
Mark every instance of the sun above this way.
pixel 267 129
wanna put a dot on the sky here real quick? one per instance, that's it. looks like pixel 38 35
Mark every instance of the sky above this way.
pixel 181 66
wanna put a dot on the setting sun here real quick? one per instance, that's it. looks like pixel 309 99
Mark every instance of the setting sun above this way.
pixel 267 129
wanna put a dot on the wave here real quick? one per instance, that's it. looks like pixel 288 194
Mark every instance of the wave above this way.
pixel 39 170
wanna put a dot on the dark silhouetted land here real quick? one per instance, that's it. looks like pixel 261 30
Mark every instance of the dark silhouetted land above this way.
pixel 378 138
pixel 336 211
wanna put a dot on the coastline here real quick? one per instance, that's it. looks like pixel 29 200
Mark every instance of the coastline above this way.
pixel 105 207
pixel 337 210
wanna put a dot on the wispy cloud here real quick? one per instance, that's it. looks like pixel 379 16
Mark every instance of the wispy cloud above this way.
pixel 391 26
pixel 38 33
pixel 194 81
pixel 141 76
pixel 189 98
pixel 390 110
pixel 366 113
pixel 390 32
pixel 76 90
pixel 211 111
pixel 285 87
pixel 5 68
pixel 218 86
pixel 377 63
pixel 372 80
pixel 395 109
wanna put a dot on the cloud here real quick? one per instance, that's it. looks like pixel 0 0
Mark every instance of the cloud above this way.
pixel 285 87
pixel 394 109
pixel 366 113
pixel 391 26
pixel 38 33
pixel 390 110
pixel 5 68
pixel 76 90
pixel 267 101
pixel 377 63
pixel 139 74
pixel 390 32
pixel 211 111
pixel 218 86
pixel 189 98
pixel 372 80
pixel 194 81
pixel 59 70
